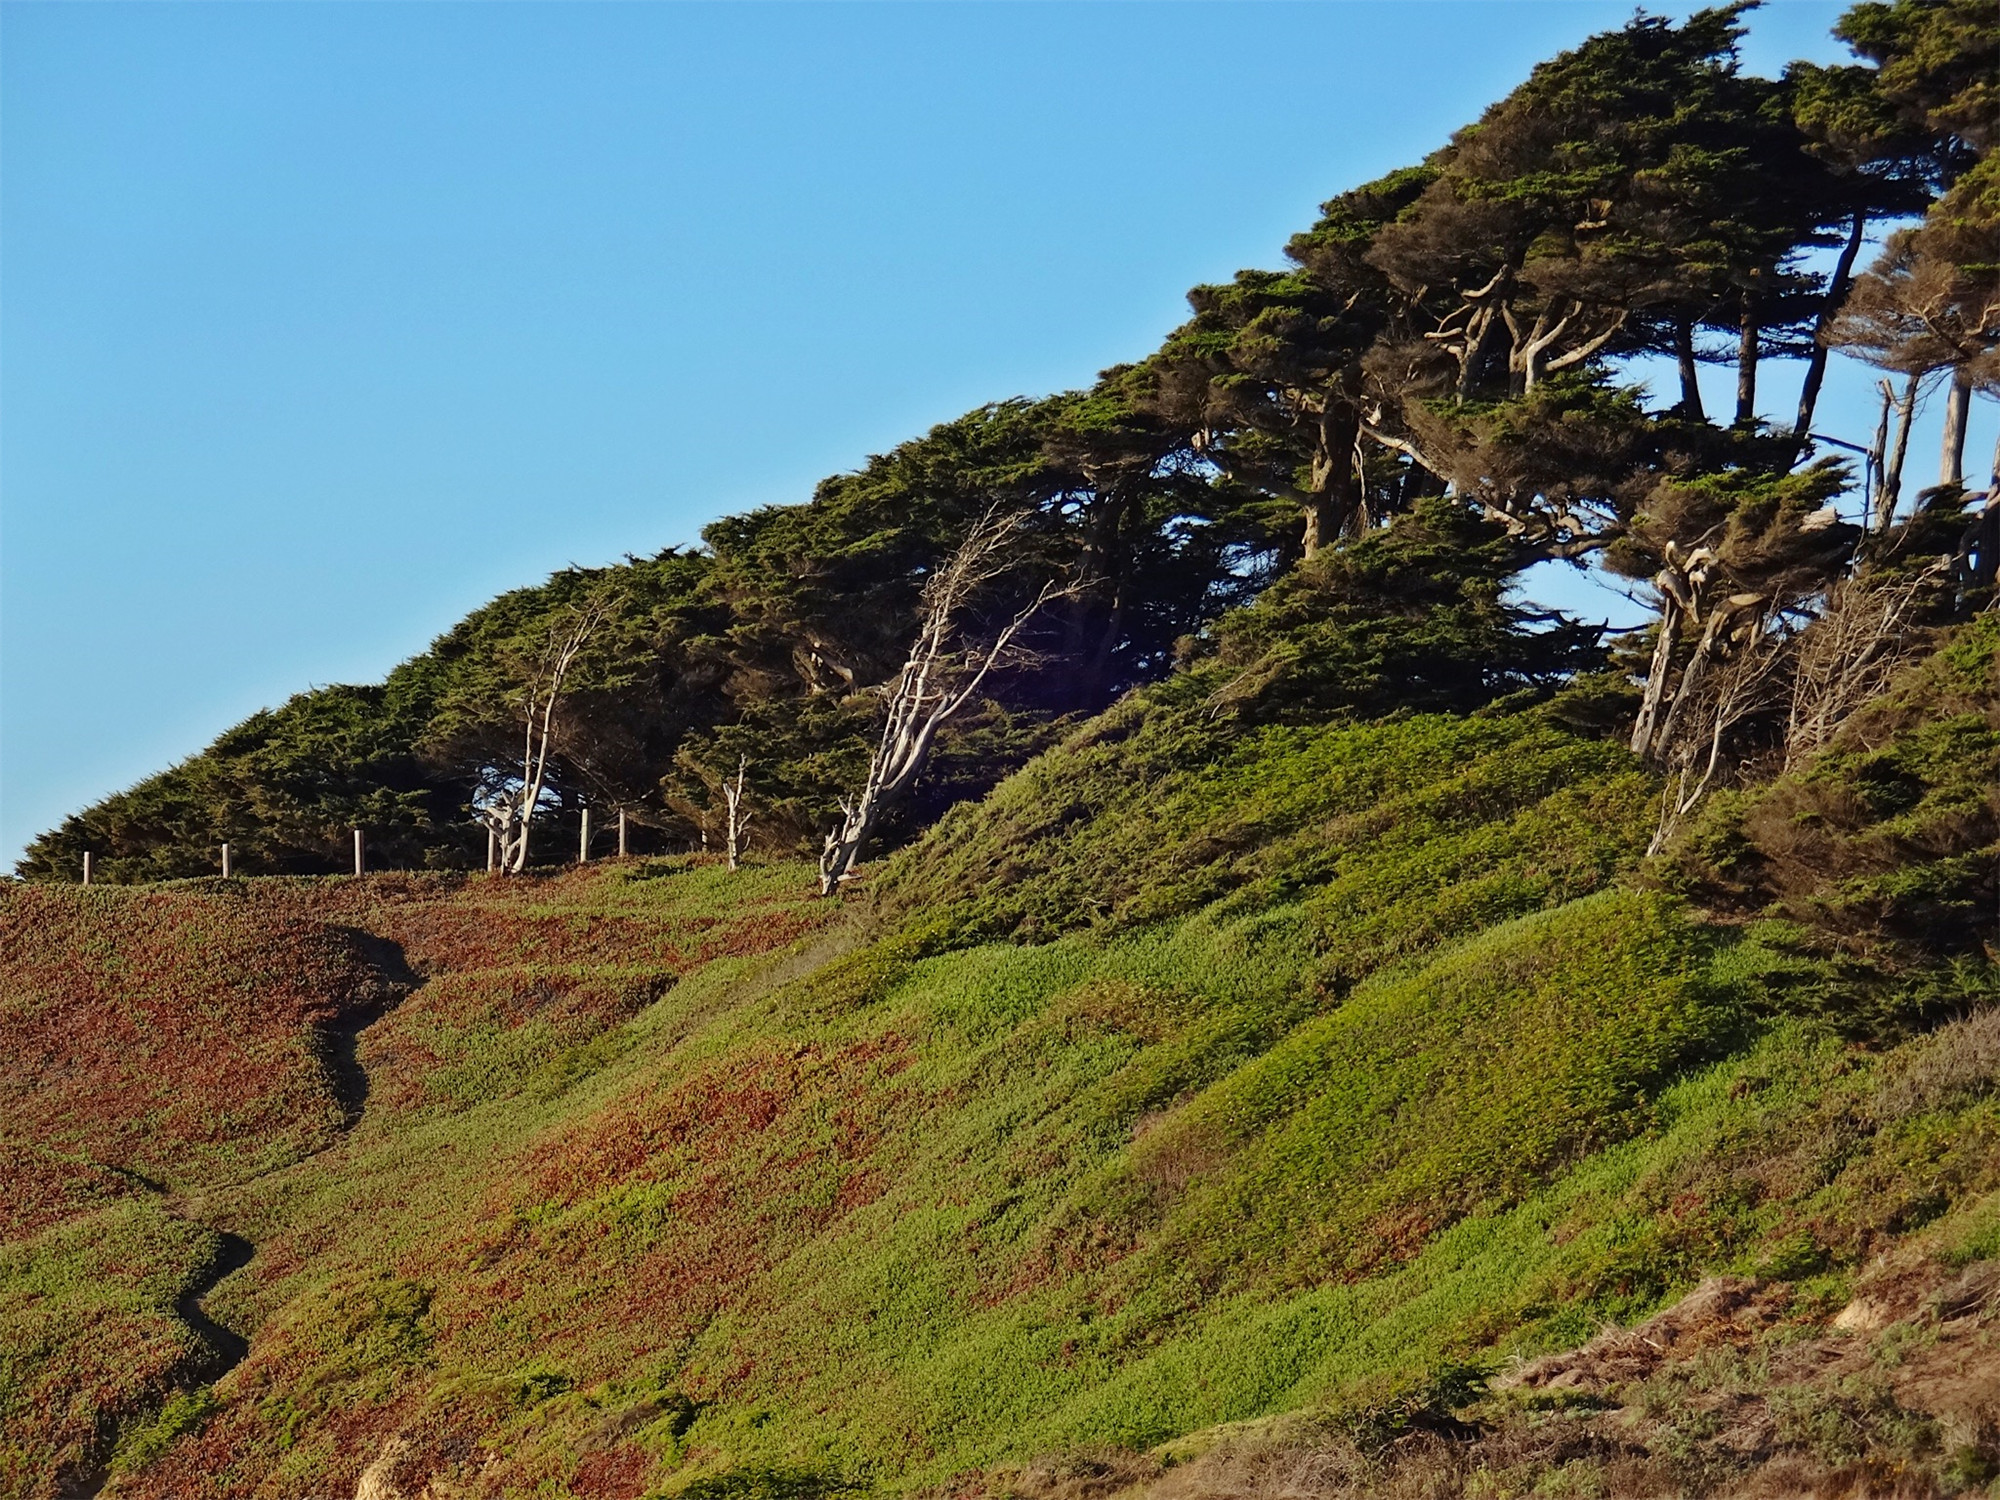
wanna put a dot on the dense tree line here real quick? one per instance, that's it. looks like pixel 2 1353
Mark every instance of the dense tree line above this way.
pixel 1453 350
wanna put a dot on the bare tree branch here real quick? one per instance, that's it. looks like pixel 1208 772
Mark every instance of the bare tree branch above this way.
pixel 509 812
pixel 739 817
pixel 938 678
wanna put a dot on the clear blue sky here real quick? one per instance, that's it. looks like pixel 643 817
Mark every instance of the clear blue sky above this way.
pixel 321 324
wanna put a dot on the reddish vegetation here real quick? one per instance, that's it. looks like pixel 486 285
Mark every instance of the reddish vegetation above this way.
pixel 189 1039
pixel 44 1189
pixel 173 1036
pixel 619 1474
pixel 717 1143
pixel 180 1035
pixel 448 924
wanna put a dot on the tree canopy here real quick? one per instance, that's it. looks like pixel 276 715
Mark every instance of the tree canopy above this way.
pixel 1438 389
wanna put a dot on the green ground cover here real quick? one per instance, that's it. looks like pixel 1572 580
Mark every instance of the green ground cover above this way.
pixel 669 1178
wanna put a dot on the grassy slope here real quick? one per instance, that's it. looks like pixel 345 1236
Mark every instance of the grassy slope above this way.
pixel 1342 1059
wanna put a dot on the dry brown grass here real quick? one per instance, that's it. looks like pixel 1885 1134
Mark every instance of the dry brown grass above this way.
pixel 1724 1395
pixel 1957 1060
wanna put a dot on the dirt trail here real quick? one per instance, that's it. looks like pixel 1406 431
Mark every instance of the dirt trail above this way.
pixel 223 1348
pixel 347 1079
pixel 225 1345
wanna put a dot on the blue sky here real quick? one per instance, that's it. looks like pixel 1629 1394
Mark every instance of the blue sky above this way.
pixel 321 324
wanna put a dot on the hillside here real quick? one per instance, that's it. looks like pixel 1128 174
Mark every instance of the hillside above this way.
pixel 1275 1011
pixel 660 1178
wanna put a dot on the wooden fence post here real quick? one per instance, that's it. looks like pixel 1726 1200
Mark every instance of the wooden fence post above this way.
pixel 583 840
pixel 225 861
pixel 621 833
pixel 86 867
pixel 359 866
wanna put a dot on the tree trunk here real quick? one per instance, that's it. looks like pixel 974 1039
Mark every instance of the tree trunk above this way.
pixel 1878 458
pixel 1746 361
pixel 1319 528
pixel 938 678
pixel 1707 647
pixel 1836 294
pixel 1479 336
pixel 732 794
pixel 1335 500
pixel 1892 469
pixel 511 816
pixel 1957 407
pixel 1691 406
pixel 1645 728
pixel 1979 549
pixel 1094 682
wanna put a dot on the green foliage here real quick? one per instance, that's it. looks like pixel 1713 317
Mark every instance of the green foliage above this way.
pixel 1578 1015
pixel 763 1482
pixel 891 1215
pixel 89 1333
pixel 1393 835
pixel 1937 61
pixel 282 788
pixel 185 1412
pixel 1412 618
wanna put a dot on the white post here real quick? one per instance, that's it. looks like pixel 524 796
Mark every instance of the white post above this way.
pixel 359 867
pixel 621 835
pixel 86 867
pixel 225 861
pixel 583 840
pixel 492 848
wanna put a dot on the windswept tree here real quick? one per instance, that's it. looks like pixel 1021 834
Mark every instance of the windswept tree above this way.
pixel 1736 559
pixel 1937 62
pixel 1876 162
pixel 508 797
pixel 1640 194
pixel 948 662
pixel 1930 305
pixel 1267 379
pixel 1154 545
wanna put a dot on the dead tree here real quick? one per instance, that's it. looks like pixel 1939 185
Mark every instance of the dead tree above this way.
pixel 1734 623
pixel 1697 743
pixel 739 817
pixel 938 678
pixel 1931 303
pixel 1889 456
pixel 509 809
pixel 1848 655
pixel 1745 577
pixel 1751 664
pixel 1683 574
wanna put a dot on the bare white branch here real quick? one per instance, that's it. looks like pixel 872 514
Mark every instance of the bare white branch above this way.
pixel 939 677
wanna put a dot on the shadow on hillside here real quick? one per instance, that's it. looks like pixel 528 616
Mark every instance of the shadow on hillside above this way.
pixel 223 1348
pixel 392 981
